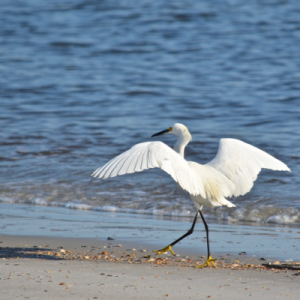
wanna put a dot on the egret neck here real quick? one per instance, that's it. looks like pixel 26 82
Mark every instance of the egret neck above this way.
pixel 183 138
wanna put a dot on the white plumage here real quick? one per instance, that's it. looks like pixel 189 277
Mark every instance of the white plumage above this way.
pixel 231 173
pixel 152 155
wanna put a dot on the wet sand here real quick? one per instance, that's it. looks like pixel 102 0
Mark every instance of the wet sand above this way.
pixel 35 267
pixel 271 241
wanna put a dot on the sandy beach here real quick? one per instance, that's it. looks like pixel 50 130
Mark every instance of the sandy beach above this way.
pixel 47 267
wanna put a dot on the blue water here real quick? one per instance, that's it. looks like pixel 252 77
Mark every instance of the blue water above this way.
pixel 82 81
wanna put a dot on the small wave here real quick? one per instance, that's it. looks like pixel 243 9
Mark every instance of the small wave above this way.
pixel 77 206
pixel 39 201
pixel 140 92
pixel 64 44
pixel 108 208
pixel 283 219
pixel 7 200
pixel 259 214
pixel 8 158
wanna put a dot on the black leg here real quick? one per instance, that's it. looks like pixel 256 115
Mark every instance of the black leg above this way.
pixel 207 239
pixel 209 260
pixel 189 232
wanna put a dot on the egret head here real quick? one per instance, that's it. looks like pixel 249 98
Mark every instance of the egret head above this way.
pixel 183 136
pixel 178 129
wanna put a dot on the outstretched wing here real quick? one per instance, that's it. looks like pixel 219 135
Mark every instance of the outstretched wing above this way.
pixel 153 155
pixel 241 163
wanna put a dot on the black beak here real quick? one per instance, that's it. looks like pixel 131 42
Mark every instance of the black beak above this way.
pixel 161 132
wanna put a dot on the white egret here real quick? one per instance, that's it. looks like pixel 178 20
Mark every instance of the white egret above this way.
pixel 231 173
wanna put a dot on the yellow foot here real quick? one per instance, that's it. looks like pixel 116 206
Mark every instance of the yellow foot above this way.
pixel 209 261
pixel 164 250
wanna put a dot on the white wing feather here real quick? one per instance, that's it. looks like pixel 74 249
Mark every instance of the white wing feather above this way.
pixel 241 163
pixel 153 155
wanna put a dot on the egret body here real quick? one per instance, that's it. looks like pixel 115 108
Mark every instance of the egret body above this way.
pixel 231 173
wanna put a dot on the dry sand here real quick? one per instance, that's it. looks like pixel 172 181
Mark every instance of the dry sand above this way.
pixel 55 268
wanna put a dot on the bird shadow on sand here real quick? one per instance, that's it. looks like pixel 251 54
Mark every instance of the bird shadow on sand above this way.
pixel 30 252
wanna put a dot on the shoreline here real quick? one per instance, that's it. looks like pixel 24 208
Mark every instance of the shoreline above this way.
pixel 272 242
